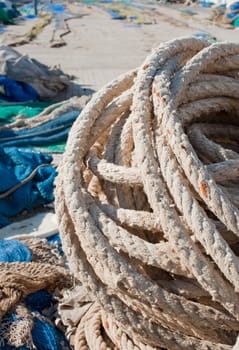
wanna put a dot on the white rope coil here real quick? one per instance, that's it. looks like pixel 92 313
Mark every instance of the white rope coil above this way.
pixel 147 198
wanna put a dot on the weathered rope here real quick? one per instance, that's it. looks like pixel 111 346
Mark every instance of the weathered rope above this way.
pixel 148 205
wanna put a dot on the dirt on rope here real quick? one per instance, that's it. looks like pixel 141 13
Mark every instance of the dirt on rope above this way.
pixel 147 201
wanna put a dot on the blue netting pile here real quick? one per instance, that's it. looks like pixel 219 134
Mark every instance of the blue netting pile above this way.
pixel 56 239
pixel 44 335
pixel 49 133
pixel 17 165
pixel 13 250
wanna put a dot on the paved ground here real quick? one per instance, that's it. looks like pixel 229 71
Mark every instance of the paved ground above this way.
pixel 99 49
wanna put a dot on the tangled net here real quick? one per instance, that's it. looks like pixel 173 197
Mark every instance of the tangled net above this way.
pixel 29 286
pixel 19 279
pixel 51 113
pixel 147 200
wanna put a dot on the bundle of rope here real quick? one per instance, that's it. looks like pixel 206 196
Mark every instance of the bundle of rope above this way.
pixel 147 202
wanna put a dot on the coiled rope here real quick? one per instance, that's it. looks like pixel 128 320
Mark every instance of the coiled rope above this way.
pixel 147 201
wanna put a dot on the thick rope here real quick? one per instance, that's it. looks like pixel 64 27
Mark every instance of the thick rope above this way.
pixel 147 202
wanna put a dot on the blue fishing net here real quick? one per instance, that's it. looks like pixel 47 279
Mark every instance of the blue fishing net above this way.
pixel 41 306
pixel 9 111
pixel 17 165
pixel 51 132
pixel 13 251
pixel 44 335
pixel 39 301
pixel 47 337
pixel 57 240
pixel 5 324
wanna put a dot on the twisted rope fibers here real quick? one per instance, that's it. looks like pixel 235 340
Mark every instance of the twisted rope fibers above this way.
pixel 147 202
